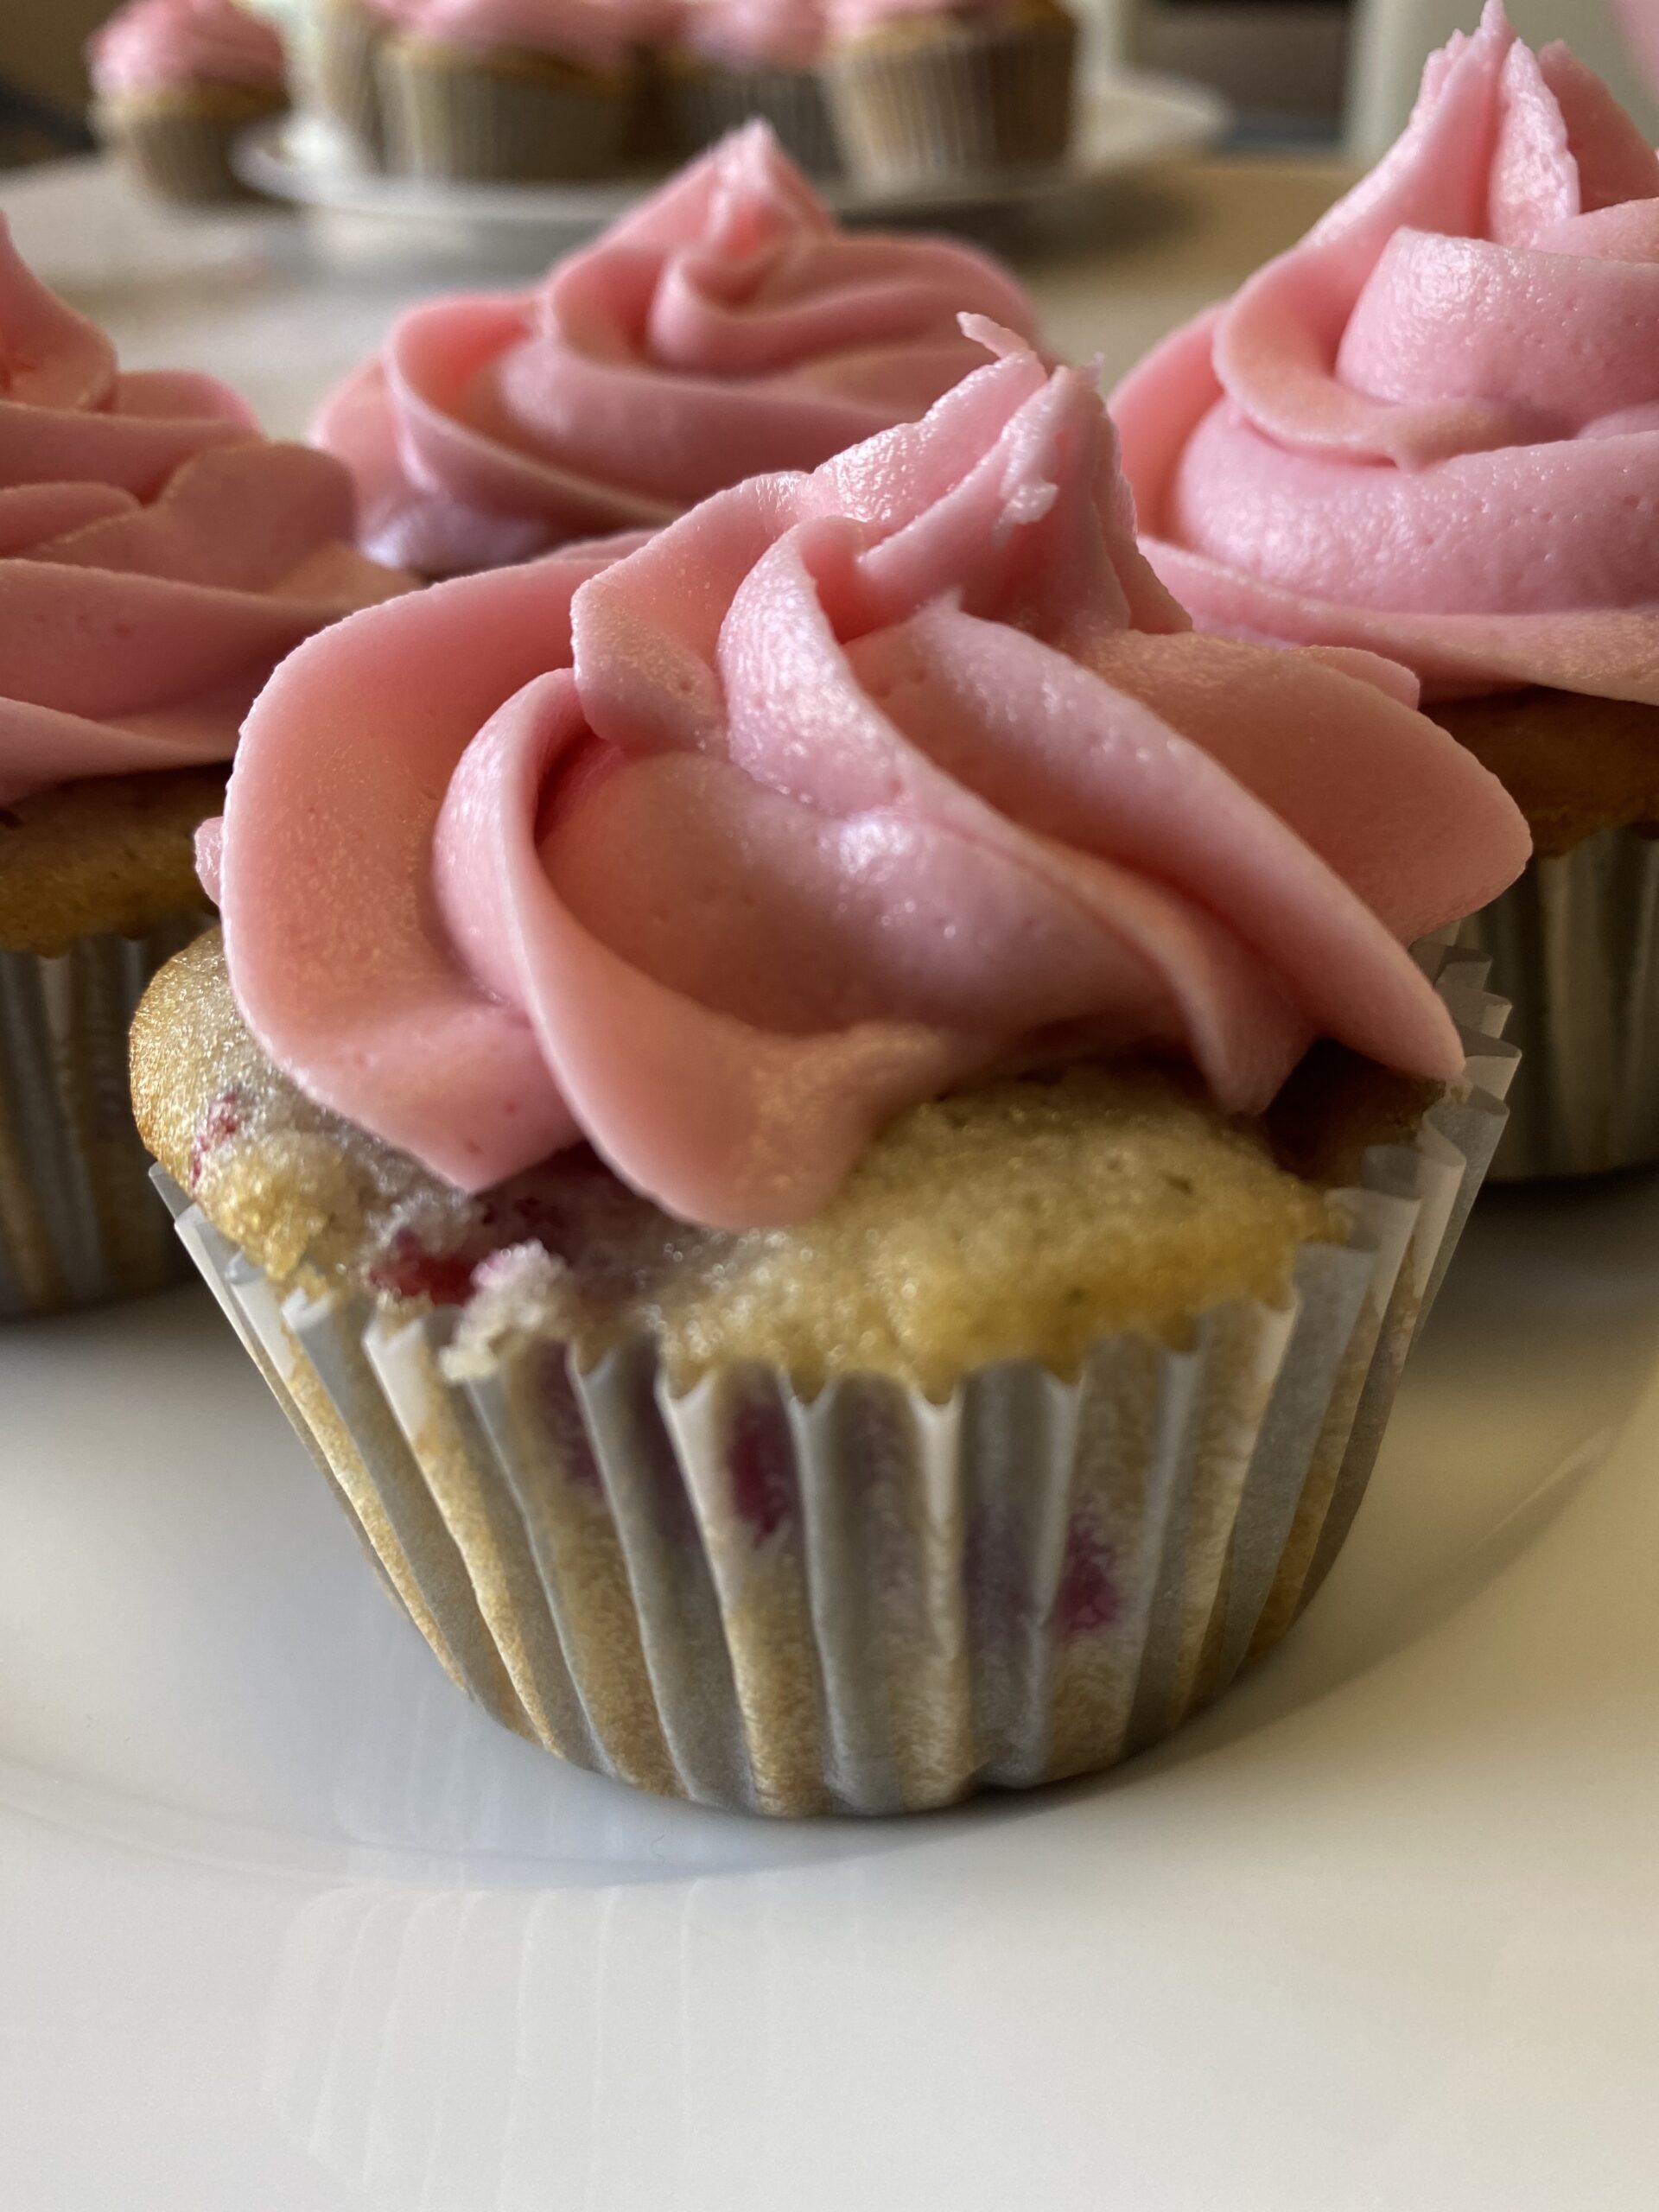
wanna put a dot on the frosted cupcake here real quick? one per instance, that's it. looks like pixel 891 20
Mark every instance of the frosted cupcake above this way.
pixel 174 85
pixel 1431 429
pixel 755 1104
pixel 725 328
pixel 513 91
pixel 921 92
pixel 157 557
pixel 734 60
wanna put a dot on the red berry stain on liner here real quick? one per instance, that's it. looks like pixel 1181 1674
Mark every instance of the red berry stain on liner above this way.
pixel 760 1457
pixel 1088 1597
pixel 222 1120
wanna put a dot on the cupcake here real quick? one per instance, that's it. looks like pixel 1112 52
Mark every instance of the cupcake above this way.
pixel 176 82
pixel 341 81
pixel 920 93
pixel 513 91
pixel 734 60
pixel 725 328
pixel 1431 429
pixel 759 1103
pixel 158 557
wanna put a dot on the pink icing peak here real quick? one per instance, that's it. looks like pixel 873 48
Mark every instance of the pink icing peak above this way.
pixel 158 555
pixel 842 789
pixel 1430 427
pixel 727 327
pixel 152 45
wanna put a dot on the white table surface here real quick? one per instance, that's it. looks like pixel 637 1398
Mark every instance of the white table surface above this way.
pixel 286 1926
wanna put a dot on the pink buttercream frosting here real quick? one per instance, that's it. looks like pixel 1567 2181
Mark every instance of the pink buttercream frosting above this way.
pixel 842 789
pixel 725 328
pixel 158 556
pixel 1433 427
pixel 156 45
pixel 756 33
pixel 599 34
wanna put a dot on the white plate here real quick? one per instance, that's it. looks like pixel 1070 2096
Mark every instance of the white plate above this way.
pixel 1123 122
pixel 286 1926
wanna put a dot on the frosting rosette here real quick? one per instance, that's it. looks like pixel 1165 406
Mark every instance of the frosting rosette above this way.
pixel 841 790
pixel 725 329
pixel 156 45
pixel 158 555
pixel 1433 427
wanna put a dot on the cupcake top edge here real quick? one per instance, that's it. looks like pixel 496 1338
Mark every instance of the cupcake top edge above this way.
pixel 160 45
pixel 1429 429
pixel 844 790
pixel 726 327
pixel 601 34
pixel 158 554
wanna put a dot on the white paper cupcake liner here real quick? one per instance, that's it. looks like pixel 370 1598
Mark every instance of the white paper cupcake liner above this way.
pixel 977 96
pixel 869 1602
pixel 343 39
pixel 183 153
pixel 79 1221
pixel 454 122
pixel 704 103
pixel 1574 945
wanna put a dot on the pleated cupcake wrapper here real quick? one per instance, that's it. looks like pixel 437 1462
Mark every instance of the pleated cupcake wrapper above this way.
pixel 703 105
pixel 179 153
pixel 969 100
pixel 343 39
pixel 79 1221
pixel 869 1602
pixel 1574 945
pixel 446 120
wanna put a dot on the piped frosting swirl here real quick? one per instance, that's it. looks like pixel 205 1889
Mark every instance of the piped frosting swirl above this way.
pixel 844 789
pixel 1433 427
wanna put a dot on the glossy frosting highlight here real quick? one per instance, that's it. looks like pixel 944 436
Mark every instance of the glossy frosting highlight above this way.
pixel 158 555
pixel 725 328
pixel 1433 427
pixel 844 789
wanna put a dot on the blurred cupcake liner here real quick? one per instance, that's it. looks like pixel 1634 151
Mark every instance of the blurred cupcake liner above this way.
pixel 345 38
pixel 463 117
pixel 1574 943
pixel 871 1602
pixel 79 1221
pixel 179 146
pixel 968 97
pixel 703 101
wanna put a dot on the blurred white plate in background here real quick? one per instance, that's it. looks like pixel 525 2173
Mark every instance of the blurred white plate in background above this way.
pixel 1124 122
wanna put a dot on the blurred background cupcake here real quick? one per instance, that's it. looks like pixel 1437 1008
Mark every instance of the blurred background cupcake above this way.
pixel 1429 430
pixel 158 557
pixel 725 326
pixel 920 91
pixel 730 61
pixel 176 82
pixel 782 1169
pixel 514 91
